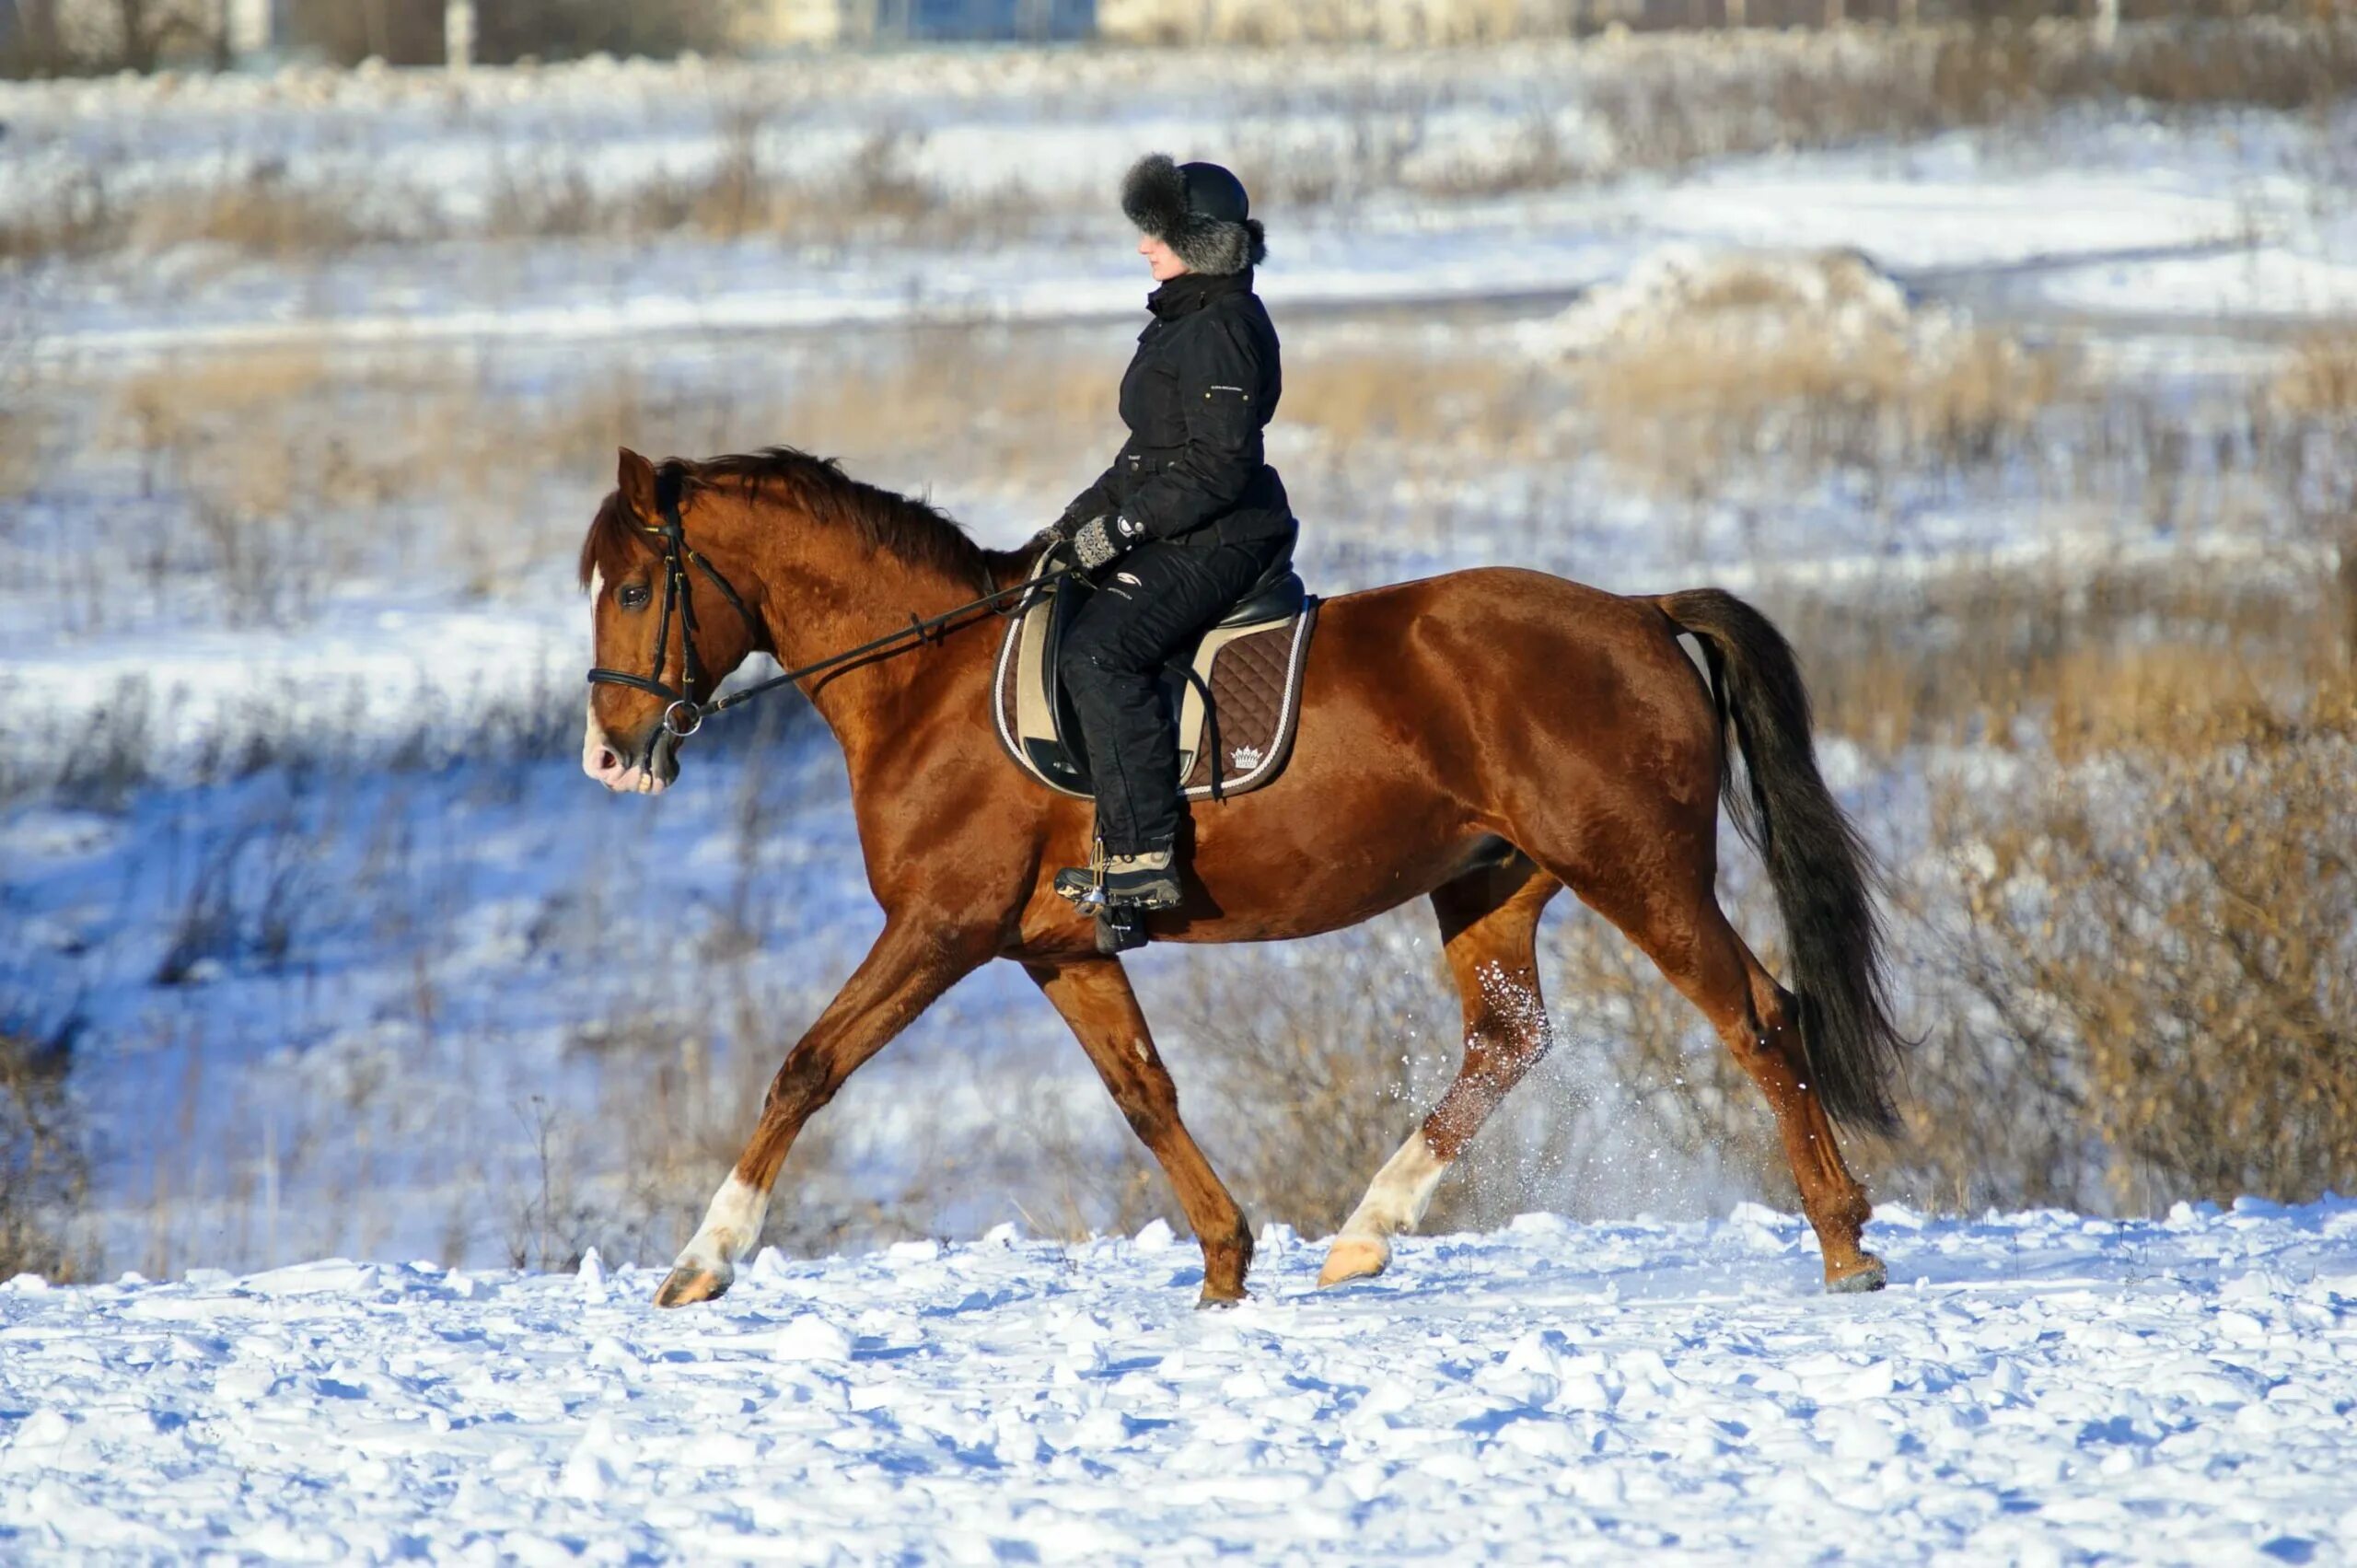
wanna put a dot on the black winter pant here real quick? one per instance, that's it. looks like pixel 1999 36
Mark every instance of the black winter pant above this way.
pixel 1148 605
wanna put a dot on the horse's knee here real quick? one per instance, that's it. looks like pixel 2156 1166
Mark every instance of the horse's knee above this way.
pixel 1149 1104
pixel 803 1084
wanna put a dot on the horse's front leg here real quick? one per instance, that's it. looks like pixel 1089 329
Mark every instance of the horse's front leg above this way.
pixel 904 972
pixel 1094 996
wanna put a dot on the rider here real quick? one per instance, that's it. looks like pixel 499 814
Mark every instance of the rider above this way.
pixel 1187 518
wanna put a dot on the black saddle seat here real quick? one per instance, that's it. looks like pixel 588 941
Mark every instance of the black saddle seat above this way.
pixel 1278 594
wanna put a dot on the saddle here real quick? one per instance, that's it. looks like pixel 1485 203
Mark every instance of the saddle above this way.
pixel 1235 697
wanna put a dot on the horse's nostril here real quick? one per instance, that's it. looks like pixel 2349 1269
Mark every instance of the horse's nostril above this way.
pixel 607 761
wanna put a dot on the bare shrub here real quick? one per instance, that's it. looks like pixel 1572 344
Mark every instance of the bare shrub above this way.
pixel 2174 918
pixel 262 212
pixel 1695 366
pixel 50 38
pixel 44 1168
pixel 1313 1064
pixel 23 420
pixel 2321 380
pixel 244 898
pixel 684 1097
pixel 1675 104
pixel 76 215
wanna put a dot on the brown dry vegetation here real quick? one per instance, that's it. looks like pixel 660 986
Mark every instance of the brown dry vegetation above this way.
pixel 43 1167
pixel 2320 380
pixel 1679 414
pixel 1655 103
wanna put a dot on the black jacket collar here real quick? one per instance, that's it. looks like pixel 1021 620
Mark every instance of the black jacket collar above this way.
pixel 1192 291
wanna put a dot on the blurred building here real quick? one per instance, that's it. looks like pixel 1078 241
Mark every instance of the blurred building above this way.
pixel 779 24
pixel 138 33
pixel 1384 21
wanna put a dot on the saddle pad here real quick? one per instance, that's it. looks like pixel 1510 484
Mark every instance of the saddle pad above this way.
pixel 1253 673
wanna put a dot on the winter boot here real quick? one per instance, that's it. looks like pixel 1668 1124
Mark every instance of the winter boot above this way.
pixel 1147 881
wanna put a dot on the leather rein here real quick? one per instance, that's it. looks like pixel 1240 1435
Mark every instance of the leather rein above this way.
pixel 682 714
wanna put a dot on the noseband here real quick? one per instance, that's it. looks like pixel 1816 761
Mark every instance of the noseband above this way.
pixel 683 715
pixel 679 598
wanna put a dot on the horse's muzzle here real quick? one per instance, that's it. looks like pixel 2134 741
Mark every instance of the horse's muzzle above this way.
pixel 647 768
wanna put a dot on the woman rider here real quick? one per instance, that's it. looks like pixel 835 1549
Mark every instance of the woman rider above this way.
pixel 1186 519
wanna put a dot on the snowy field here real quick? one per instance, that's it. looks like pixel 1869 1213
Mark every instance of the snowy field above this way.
pixel 2034 1388
pixel 310 382
pixel 2033 426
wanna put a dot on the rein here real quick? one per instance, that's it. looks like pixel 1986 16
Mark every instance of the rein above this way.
pixel 682 714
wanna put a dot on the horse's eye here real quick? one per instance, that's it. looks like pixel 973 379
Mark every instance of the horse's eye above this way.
pixel 632 596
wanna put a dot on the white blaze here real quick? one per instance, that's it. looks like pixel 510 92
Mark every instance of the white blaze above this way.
pixel 593 737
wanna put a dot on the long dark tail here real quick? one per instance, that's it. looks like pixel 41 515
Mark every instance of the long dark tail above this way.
pixel 1822 871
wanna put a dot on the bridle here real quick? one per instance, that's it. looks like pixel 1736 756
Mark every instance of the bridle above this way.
pixel 679 599
pixel 682 714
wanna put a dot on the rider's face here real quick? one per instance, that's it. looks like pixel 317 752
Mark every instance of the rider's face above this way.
pixel 1162 260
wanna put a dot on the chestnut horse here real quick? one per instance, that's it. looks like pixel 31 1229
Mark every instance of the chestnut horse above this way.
pixel 1483 739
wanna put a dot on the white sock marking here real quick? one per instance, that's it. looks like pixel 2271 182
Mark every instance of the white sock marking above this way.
pixel 1400 1191
pixel 730 1228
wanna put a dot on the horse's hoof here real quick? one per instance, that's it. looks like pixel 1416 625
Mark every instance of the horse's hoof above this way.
pixel 690 1283
pixel 1872 1276
pixel 1354 1257
pixel 1207 1302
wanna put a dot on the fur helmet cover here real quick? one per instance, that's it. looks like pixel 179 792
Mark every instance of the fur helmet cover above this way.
pixel 1198 210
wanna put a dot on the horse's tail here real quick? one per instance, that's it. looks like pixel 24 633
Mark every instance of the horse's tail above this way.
pixel 1822 871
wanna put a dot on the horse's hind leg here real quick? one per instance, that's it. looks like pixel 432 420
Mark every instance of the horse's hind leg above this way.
pixel 1489 922
pixel 1095 998
pixel 1679 925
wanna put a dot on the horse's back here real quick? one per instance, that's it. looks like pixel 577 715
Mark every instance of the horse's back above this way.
pixel 1491 619
pixel 1520 672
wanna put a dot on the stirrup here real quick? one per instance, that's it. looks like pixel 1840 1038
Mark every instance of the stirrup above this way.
pixel 1099 887
pixel 1081 884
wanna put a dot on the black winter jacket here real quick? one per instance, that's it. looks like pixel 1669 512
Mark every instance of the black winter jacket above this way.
pixel 1204 384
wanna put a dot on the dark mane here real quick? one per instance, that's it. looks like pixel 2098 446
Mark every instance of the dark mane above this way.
pixel 913 531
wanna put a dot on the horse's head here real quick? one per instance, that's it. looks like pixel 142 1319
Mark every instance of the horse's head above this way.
pixel 664 627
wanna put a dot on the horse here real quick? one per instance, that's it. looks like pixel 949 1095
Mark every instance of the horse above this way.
pixel 1482 740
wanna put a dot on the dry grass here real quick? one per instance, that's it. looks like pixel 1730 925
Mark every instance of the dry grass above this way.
pixel 1497 406
pixel 44 1167
pixel 1696 366
pixel 2165 932
pixel 2319 381
pixel 1693 409
pixel 1658 102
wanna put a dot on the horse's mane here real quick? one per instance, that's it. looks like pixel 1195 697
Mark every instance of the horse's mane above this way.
pixel 913 531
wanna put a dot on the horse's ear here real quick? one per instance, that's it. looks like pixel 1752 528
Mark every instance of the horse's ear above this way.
pixel 635 477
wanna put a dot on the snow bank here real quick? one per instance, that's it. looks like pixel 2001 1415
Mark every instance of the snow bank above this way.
pixel 2045 1387
pixel 1749 303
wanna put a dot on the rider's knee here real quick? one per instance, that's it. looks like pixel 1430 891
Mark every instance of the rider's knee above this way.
pixel 1083 659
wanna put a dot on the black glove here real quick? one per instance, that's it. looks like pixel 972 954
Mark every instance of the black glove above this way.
pixel 1097 542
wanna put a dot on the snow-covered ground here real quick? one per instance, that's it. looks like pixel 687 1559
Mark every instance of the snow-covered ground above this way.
pixel 2035 1388
pixel 320 998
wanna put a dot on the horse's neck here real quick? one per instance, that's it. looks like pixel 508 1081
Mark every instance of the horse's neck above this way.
pixel 872 702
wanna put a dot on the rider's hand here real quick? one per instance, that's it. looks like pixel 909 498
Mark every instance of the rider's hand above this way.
pixel 1047 538
pixel 1097 541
